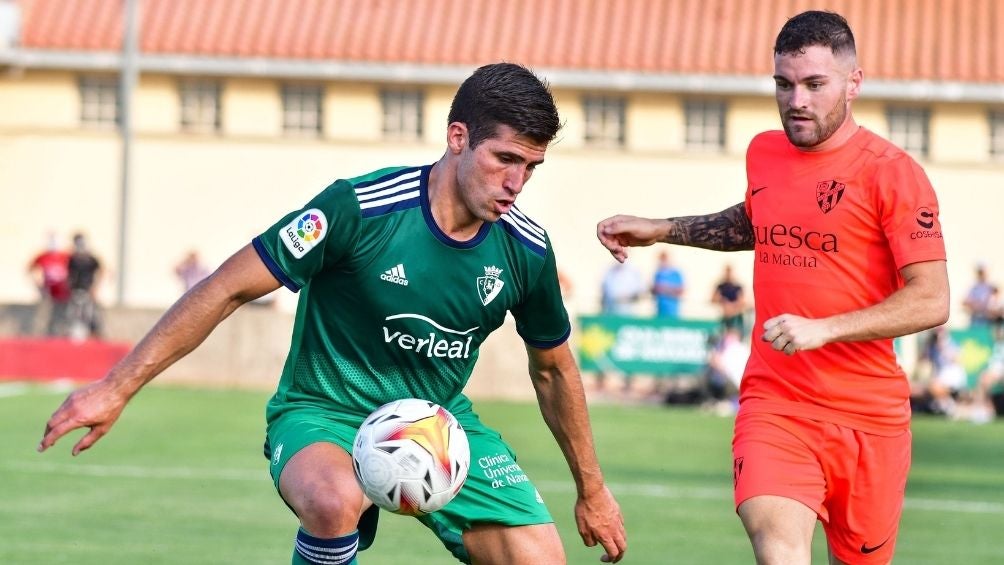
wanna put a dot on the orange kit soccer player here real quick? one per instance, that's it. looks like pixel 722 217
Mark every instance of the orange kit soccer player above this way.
pixel 848 255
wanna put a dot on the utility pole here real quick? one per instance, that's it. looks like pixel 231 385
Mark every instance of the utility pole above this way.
pixel 127 83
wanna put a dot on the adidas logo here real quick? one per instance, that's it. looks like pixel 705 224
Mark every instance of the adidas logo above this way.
pixel 395 275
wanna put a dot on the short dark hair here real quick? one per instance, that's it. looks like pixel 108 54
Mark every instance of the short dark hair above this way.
pixel 823 29
pixel 509 94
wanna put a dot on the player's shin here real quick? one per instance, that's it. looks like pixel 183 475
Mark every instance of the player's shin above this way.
pixel 319 551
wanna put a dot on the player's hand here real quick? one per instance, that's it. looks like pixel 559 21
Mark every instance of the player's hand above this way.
pixel 96 406
pixel 620 232
pixel 599 520
pixel 789 333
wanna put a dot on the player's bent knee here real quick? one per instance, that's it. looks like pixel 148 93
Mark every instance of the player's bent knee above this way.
pixel 327 514
pixel 319 486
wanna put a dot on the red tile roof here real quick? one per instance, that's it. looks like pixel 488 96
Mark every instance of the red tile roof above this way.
pixel 936 40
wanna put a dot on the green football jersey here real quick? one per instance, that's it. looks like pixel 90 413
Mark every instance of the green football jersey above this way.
pixel 390 306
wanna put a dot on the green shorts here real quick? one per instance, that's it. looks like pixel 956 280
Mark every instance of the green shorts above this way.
pixel 497 491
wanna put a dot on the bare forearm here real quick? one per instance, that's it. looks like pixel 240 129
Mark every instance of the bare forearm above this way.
pixel 563 406
pixel 907 311
pixel 728 230
pixel 180 330
pixel 242 278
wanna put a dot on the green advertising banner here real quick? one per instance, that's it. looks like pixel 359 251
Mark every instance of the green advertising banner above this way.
pixel 644 345
pixel 975 346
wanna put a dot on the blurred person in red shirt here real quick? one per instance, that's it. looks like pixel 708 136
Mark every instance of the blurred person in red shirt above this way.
pixel 49 271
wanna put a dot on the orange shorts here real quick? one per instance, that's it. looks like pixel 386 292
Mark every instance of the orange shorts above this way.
pixel 854 481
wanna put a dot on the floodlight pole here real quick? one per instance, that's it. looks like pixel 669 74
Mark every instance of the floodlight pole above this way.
pixel 127 83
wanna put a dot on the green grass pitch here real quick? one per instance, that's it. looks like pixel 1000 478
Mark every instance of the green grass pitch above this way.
pixel 181 480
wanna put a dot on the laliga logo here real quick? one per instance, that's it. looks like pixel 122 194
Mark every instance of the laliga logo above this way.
pixel 310 227
pixel 304 233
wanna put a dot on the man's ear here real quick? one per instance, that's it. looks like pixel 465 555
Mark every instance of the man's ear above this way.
pixel 854 83
pixel 456 137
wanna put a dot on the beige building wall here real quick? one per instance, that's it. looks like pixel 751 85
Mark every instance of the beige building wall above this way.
pixel 39 101
pixel 160 93
pixel 654 122
pixel 251 108
pixel 214 192
pixel 353 112
pixel 960 133
pixel 747 117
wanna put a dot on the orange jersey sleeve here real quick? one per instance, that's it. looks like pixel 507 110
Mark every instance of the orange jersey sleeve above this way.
pixel 832 230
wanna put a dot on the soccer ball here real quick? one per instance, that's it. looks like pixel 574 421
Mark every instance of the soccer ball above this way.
pixel 411 457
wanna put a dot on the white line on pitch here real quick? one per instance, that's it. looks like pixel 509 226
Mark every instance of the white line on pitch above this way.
pixel 711 493
pixel 13 389
pixel 138 472
pixel 19 388
pixel 620 489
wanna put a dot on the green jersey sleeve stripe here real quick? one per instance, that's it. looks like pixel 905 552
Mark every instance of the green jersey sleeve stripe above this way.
pixel 272 266
pixel 548 344
pixel 525 221
pixel 531 240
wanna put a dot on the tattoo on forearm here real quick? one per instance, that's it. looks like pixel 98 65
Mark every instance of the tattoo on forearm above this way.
pixel 728 230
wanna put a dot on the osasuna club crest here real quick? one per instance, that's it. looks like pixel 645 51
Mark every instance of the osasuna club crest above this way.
pixel 489 285
pixel 828 194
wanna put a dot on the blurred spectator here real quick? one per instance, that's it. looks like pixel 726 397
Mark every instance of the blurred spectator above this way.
pixel 567 288
pixel 995 311
pixel 50 273
pixel 988 398
pixel 84 271
pixel 622 288
pixel 729 296
pixel 667 288
pixel 948 377
pixel 978 300
pixel 565 284
pixel 191 270
pixel 726 363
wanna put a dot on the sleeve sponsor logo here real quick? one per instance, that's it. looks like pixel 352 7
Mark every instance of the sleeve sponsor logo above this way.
pixel 926 219
pixel 305 232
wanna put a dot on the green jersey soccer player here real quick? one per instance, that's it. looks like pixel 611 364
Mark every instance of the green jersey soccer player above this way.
pixel 402 275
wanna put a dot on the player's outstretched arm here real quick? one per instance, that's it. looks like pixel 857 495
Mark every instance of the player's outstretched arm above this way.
pixel 728 230
pixel 243 277
pixel 562 400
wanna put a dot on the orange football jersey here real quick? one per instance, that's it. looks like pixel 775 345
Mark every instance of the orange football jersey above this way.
pixel 832 230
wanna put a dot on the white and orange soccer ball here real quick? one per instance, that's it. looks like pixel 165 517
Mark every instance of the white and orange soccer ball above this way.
pixel 411 457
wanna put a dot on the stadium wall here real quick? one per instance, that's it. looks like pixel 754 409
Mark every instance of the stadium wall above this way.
pixel 248 349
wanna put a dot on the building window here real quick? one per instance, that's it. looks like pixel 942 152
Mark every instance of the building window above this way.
pixel 200 105
pixel 605 120
pixel 997 135
pixel 302 110
pixel 909 128
pixel 99 101
pixel 705 129
pixel 402 114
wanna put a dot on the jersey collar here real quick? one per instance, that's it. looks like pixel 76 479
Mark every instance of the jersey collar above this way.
pixel 431 222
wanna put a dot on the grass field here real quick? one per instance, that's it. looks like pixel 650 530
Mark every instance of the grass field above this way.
pixel 181 480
